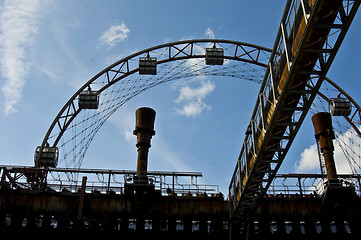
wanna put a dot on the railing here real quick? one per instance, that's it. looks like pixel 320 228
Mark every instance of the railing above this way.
pixel 102 180
pixel 310 185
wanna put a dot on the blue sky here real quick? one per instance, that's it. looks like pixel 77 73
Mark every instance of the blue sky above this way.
pixel 51 48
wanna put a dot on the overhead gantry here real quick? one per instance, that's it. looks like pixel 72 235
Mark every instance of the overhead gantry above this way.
pixel 308 39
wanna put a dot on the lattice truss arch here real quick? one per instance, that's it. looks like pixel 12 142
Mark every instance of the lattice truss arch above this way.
pixel 245 61
pixel 74 128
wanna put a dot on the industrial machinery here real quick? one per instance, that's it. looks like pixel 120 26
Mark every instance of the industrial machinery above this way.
pixel 144 203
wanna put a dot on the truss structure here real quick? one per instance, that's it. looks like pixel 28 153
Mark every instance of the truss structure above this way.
pixel 308 39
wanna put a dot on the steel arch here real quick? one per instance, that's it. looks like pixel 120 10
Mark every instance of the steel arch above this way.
pixel 181 50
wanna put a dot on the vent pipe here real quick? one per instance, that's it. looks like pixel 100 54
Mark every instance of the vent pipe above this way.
pixel 324 134
pixel 144 129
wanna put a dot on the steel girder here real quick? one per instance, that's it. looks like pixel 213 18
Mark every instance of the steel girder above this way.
pixel 309 37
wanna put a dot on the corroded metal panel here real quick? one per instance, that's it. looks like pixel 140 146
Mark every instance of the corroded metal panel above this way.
pixel 100 205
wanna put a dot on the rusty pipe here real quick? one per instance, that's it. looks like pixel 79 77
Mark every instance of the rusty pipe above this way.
pixel 144 129
pixel 81 198
pixel 324 135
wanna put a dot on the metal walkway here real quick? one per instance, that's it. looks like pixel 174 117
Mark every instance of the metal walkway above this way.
pixel 308 39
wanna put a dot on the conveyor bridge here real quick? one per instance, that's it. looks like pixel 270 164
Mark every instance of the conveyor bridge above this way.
pixel 308 39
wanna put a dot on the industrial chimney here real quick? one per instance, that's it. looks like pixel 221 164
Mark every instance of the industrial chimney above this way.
pixel 324 135
pixel 144 129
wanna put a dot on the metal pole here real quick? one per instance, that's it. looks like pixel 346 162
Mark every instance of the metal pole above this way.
pixel 108 188
pixel 81 198
pixel 173 183
pixel 300 184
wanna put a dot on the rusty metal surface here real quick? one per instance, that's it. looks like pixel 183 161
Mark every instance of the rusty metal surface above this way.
pixel 100 205
pixel 301 217
pixel 324 135
pixel 303 207
pixel 130 215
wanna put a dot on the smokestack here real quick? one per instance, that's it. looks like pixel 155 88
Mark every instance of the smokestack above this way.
pixel 144 129
pixel 324 135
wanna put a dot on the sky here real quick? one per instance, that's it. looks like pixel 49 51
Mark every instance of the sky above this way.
pixel 50 48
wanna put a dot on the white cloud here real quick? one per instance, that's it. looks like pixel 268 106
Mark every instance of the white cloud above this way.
pixel 19 21
pixel 192 109
pixel 114 35
pixel 192 98
pixel 350 143
pixel 309 160
pixel 189 94
pixel 210 33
